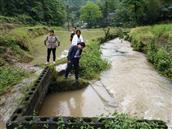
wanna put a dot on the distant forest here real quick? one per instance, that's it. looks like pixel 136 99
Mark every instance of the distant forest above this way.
pixel 93 12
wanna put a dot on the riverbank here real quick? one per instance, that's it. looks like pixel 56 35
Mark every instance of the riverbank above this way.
pixel 17 70
pixel 16 52
pixel 118 90
pixel 156 42
pixel 22 48
pixel 138 89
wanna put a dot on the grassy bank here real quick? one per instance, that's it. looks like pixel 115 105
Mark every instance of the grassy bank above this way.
pixel 19 43
pixel 91 62
pixel 10 76
pixel 16 46
pixel 156 42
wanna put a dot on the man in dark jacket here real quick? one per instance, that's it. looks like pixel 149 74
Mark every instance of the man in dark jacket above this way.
pixel 73 33
pixel 73 59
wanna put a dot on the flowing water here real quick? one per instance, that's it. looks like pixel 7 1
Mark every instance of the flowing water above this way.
pixel 81 103
pixel 131 86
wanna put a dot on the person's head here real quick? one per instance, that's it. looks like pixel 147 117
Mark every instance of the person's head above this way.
pixel 51 32
pixel 78 32
pixel 81 45
pixel 74 29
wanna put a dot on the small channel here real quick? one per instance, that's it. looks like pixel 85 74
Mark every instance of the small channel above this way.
pixel 130 86
pixel 81 103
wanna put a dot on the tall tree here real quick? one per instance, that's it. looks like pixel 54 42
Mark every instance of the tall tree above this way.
pixel 108 8
pixel 90 13
pixel 135 6
pixel 49 11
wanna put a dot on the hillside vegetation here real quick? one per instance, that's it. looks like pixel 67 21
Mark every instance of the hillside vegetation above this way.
pixel 156 42
pixel 32 12
pixel 16 46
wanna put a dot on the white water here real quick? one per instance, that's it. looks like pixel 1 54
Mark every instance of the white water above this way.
pixel 137 88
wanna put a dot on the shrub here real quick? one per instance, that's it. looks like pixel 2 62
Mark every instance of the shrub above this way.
pixel 123 121
pixel 156 42
pixel 110 34
pixel 162 60
pixel 91 63
pixel 151 51
pixel 25 19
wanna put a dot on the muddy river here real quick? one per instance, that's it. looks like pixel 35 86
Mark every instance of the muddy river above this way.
pixel 130 86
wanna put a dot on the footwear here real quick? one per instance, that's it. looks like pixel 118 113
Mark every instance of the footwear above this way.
pixel 54 62
pixel 47 63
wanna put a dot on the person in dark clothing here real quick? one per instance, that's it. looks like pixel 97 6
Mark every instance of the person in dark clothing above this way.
pixel 73 33
pixel 50 42
pixel 73 57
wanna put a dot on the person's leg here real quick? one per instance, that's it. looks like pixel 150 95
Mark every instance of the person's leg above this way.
pixel 48 54
pixel 54 54
pixel 76 66
pixel 69 67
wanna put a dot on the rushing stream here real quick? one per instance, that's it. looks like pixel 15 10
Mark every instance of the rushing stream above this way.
pixel 131 86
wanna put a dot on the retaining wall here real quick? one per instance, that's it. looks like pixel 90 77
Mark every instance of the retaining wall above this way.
pixel 24 117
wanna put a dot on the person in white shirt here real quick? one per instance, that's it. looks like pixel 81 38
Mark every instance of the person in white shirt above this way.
pixel 77 38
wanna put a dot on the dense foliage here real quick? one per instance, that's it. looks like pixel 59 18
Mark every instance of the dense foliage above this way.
pixel 91 13
pixel 91 63
pixel 135 12
pixel 113 12
pixel 45 11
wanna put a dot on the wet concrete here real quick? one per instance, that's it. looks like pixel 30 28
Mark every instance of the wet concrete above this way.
pixel 131 86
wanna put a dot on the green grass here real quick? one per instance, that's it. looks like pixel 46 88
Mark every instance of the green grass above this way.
pixel 40 51
pixel 24 35
pixel 10 50
pixel 123 121
pixel 92 34
pixel 91 62
pixel 24 44
pixel 15 46
pixel 10 76
pixel 17 43
pixel 156 42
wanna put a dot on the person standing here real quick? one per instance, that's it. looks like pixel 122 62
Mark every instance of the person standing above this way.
pixel 51 43
pixel 77 38
pixel 73 32
pixel 73 57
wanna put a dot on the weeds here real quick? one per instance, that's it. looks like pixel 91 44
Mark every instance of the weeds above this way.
pixel 10 76
pixel 91 63
pixel 156 42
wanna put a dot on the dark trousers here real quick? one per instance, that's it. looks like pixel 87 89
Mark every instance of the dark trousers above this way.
pixel 74 63
pixel 49 53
